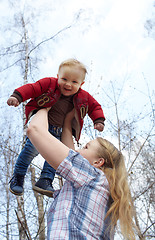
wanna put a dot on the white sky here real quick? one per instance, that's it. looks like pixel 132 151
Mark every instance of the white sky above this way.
pixel 113 44
pixel 110 34
pixel 115 41
pixel 109 38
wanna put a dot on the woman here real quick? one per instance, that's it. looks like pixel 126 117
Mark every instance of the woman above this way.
pixel 95 194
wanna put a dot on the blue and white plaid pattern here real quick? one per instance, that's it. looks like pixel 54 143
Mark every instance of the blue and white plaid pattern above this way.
pixel 79 208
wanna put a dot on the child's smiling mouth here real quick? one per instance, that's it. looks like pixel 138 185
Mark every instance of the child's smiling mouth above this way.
pixel 67 89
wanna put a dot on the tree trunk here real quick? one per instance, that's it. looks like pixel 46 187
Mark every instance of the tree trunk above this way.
pixel 40 205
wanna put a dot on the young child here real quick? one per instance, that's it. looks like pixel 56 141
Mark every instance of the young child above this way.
pixel 62 94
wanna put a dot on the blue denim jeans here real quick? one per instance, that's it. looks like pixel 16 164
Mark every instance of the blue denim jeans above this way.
pixel 29 152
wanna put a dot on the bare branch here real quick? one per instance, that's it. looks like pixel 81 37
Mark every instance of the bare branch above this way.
pixel 48 39
pixel 143 191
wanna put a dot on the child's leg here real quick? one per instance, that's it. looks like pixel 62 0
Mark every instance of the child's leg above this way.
pixel 47 171
pixel 25 158
pixel 23 161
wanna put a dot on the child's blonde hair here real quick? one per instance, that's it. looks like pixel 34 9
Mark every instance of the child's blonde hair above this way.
pixel 115 171
pixel 73 62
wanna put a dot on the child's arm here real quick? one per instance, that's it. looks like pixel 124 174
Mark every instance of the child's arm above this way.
pixel 13 101
pixel 52 150
pixel 66 136
pixel 33 90
pixel 95 112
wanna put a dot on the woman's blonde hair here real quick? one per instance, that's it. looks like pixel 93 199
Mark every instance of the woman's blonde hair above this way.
pixel 115 171
pixel 73 62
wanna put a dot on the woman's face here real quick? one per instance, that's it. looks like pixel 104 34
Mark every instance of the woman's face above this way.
pixel 90 151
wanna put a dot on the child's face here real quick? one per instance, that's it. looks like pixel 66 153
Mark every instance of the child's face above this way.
pixel 70 79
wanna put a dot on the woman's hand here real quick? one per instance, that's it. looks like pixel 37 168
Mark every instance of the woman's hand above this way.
pixel 66 136
pixel 48 109
pixel 69 117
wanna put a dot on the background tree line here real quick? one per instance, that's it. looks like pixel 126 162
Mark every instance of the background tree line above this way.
pixel 22 50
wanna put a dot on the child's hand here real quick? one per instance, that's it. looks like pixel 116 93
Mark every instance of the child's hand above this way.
pixel 99 126
pixel 12 101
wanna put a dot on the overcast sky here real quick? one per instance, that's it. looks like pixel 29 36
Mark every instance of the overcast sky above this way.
pixel 109 34
pixel 113 38
pixel 109 38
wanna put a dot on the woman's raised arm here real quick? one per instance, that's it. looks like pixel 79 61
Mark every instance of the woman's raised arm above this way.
pixel 52 150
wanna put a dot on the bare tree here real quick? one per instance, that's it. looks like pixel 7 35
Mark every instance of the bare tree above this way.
pixel 137 144
pixel 131 133
pixel 150 24
pixel 22 52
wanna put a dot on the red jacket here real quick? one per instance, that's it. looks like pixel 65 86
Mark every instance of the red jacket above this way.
pixel 45 93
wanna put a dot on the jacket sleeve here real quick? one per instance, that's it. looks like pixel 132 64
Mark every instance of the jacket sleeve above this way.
pixel 33 90
pixel 94 109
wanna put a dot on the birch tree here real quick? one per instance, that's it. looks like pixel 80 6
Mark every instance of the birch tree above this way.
pixel 22 53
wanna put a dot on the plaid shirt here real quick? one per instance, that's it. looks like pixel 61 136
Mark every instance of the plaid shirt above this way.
pixel 79 208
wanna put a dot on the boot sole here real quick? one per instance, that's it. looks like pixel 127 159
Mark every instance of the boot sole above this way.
pixel 43 191
pixel 15 193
